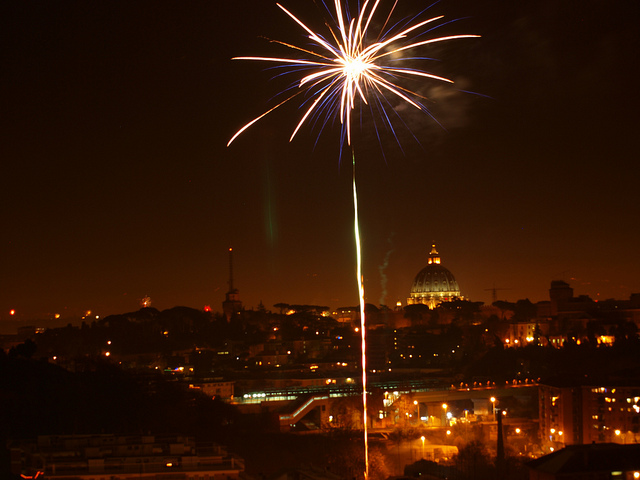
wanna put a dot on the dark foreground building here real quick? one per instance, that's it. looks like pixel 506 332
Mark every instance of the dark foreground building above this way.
pixel 583 414
pixel 586 462
pixel 119 457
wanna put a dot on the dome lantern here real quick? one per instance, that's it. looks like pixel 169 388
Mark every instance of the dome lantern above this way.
pixel 434 256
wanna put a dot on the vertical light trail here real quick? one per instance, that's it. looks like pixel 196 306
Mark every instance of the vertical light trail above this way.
pixel 360 281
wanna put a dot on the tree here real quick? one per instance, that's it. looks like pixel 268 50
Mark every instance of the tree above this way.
pixel 25 350
pixel 346 413
pixel 504 306
pixel 525 310
pixel 473 461
pixel 346 457
pixel 417 313
pixel 282 307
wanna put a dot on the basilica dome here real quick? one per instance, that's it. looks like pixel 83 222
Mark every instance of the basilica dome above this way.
pixel 434 284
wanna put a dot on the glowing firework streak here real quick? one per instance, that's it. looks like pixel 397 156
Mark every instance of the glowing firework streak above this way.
pixel 363 323
pixel 343 70
pixel 350 68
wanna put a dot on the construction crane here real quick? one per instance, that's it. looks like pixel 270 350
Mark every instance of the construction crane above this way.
pixel 494 292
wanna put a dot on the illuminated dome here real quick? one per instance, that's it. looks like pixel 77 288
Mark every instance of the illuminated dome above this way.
pixel 434 284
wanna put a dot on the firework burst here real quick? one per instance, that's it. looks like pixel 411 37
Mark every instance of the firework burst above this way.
pixel 355 65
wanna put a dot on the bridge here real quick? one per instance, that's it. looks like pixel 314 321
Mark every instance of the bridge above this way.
pixel 314 407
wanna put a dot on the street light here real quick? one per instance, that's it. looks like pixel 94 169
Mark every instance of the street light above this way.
pixel 422 438
pixel 444 407
pixel 493 407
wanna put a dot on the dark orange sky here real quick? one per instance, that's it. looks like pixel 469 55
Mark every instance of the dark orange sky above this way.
pixel 116 182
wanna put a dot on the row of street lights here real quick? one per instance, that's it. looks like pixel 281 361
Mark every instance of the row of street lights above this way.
pixel 447 415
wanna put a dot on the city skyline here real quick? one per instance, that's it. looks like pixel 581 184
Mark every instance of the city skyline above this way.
pixel 118 184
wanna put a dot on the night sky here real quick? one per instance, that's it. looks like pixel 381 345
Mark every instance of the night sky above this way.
pixel 117 182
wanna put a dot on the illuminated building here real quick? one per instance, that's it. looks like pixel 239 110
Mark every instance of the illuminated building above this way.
pixel 571 414
pixel 220 389
pixel 118 457
pixel 580 319
pixel 434 284
pixel 523 333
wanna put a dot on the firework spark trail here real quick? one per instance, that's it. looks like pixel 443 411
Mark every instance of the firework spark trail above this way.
pixel 350 68
pixel 363 323
pixel 340 72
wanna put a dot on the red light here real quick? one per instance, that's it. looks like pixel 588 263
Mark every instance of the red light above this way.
pixel 207 308
pixel 12 312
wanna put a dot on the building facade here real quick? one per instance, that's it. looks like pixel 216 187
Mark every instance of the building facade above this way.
pixel 571 415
